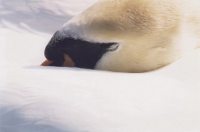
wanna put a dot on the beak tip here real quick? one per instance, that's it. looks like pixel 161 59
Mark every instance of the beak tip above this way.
pixel 46 63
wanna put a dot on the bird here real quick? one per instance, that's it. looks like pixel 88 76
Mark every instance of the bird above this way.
pixel 127 35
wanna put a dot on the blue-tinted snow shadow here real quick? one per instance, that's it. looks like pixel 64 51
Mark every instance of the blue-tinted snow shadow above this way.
pixel 74 69
pixel 29 13
pixel 12 121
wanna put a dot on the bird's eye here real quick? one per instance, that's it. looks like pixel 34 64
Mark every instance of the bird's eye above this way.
pixel 113 47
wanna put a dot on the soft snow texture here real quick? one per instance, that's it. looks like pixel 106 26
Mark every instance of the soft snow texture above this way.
pixel 50 99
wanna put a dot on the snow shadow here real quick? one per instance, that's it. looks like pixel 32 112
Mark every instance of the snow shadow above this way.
pixel 12 121
pixel 41 16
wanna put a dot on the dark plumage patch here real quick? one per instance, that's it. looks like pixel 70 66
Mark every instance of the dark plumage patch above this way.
pixel 84 54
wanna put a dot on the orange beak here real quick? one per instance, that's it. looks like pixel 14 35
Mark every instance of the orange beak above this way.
pixel 68 62
pixel 46 63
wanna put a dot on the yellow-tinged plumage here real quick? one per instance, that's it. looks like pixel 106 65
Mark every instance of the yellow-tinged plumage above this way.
pixel 151 33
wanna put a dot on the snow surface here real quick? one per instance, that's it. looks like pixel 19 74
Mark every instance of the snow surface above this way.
pixel 50 99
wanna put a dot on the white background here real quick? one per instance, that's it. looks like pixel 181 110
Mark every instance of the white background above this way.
pixel 50 99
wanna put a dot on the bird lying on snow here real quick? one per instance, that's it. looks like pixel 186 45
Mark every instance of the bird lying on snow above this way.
pixel 127 35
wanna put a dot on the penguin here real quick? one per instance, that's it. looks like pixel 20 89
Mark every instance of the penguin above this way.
pixel 127 35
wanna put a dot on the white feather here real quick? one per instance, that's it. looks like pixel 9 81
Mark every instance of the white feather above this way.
pixel 151 33
pixel 50 99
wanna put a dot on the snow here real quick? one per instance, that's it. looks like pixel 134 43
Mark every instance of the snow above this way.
pixel 50 99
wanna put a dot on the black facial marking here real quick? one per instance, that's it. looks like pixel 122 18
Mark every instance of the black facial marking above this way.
pixel 84 54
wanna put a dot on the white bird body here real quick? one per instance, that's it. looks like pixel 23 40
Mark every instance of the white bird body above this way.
pixel 51 99
pixel 151 33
